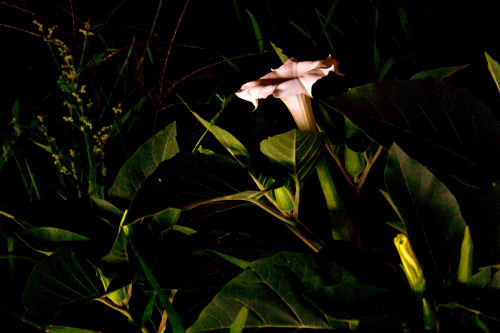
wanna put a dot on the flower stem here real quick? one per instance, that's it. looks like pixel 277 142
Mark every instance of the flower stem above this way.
pixel 341 228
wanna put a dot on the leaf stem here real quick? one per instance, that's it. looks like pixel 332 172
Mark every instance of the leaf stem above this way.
pixel 338 217
pixel 367 169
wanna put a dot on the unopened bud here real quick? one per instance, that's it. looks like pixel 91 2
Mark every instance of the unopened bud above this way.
pixel 410 264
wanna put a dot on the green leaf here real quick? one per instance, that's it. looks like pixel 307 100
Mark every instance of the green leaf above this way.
pixel 173 318
pixel 239 321
pixel 121 297
pixel 494 68
pixel 465 264
pixel 296 150
pixel 243 264
pixel 190 180
pixel 61 280
pixel 161 147
pixel 289 291
pixel 430 213
pixel 148 310
pixel 118 252
pixel 279 52
pixel 105 206
pixel 47 148
pixel 487 277
pixel 445 128
pixel 233 145
pixel 441 73
pixel 51 234
pixel 166 218
pixel 66 329
pixel 256 29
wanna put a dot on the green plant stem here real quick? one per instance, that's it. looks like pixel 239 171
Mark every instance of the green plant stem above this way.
pixel 92 172
pixel 367 169
pixel 340 226
pixel 339 164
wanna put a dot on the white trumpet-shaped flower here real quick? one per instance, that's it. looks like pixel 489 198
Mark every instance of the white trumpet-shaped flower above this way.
pixel 292 83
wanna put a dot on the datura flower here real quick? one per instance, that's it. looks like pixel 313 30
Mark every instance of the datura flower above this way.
pixel 292 83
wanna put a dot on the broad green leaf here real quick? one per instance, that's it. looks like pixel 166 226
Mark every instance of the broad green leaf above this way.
pixel 441 73
pixel 190 180
pixel 446 128
pixel 494 68
pixel 296 150
pixel 161 147
pixel 289 291
pixel 66 329
pixel 430 213
pixel 233 146
pixel 51 234
pixel 61 280
pixel 239 321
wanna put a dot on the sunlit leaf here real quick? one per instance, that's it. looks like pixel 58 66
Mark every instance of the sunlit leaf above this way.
pixel 229 141
pixel 296 150
pixel 161 147
pixel 279 52
pixel 118 252
pixel 239 321
pixel 494 68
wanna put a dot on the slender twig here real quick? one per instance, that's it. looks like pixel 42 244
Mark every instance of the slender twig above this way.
pixel 25 31
pixel 73 21
pixel 21 10
pixel 169 50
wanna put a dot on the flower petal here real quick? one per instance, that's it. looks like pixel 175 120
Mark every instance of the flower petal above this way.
pixel 301 109
pixel 292 78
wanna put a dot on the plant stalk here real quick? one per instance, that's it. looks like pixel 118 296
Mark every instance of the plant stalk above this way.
pixel 341 225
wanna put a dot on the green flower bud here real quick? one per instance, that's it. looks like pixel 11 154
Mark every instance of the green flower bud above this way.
pixel 284 199
pixel 410 264
pixel 465 265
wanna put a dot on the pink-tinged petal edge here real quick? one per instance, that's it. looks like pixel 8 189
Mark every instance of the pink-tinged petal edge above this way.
pixel 292 78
